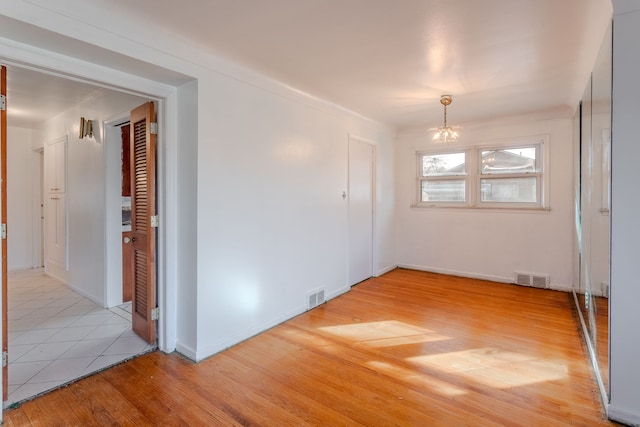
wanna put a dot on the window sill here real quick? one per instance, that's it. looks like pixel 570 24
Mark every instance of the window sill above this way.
pixel 509 209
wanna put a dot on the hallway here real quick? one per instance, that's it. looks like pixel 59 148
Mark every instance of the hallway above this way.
pixel 57 336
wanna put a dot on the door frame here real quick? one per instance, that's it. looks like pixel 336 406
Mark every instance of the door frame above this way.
pixel 37 209
pixel 374 229
pixel 113 203
pixel 166 96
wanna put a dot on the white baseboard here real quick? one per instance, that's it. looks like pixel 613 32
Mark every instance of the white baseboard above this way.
pixel 337 293
pixel 14 268
pixel 500 279
pixel 594 292
pixel 624 416
pixel 457 273
pixel 86 295
pixel 186 351
pixel 386 270
pixel 560 287
pixel 78 290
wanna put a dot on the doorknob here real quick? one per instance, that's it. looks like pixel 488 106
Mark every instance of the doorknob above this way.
pixel 127 240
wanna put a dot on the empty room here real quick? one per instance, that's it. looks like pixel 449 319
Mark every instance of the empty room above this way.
pixel 320 213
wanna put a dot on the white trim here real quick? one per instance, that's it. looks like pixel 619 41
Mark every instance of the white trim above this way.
pixel 385 270
pixel 167 189
pixel 480 276
pixel 20 268
pixel 187 351
pixel 47 62
pixel 458 273
pixel 560 287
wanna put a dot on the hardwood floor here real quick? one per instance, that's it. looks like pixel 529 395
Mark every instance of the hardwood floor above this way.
pixel 408 348
pixel 602 341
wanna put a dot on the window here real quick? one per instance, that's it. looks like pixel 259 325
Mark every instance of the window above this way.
pixel 443 177
pixel 499 176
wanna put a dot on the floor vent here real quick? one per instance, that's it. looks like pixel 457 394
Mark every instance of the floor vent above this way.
pixel 534 280
pixel 316 298
pixel 539 281
pixel 523 279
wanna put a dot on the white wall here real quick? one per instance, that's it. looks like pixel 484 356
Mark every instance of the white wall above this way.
pixel 272 223
pixel 20 177
pixel 85 190
pixel 625 205
pixel 187 293
pixel 490 244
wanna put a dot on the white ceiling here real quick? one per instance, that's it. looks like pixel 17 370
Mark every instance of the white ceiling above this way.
pixel 33 96
pixel 386 59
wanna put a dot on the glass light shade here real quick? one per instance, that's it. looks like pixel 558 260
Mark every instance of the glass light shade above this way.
pixel 445 134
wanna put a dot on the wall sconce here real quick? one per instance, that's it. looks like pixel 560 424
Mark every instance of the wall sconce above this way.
pixel 86 128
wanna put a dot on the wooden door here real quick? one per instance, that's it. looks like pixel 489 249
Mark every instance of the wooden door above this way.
pixel 3 189
pixel 361 167
pixel 143 209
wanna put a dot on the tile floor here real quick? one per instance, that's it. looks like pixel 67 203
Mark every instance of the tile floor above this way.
pixel 56 335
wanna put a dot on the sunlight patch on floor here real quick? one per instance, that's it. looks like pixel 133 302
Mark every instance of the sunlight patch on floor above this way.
pixel 385 333
pixel 494 367
pixel 416 379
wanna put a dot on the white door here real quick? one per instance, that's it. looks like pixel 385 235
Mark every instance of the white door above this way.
pixel 361 168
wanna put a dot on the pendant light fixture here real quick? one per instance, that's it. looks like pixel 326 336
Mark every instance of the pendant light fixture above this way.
pixel 445 133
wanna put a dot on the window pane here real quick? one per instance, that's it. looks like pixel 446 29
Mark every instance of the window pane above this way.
pixel 512 160
pixel 515 190
pixel 443 191
pixel 443 164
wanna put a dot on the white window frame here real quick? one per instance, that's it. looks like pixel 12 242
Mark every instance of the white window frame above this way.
pixel 448 177
pixel 473 176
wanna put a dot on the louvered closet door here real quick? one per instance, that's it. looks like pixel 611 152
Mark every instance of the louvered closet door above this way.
pixel 143 207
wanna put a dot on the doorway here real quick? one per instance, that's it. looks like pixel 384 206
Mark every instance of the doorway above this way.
pixel 38 350
pixel 133 196
pixel 37 207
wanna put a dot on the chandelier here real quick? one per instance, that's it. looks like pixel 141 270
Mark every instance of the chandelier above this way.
pixel 445 133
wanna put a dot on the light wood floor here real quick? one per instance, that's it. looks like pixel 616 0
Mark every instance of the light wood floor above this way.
pixel 408 349
pixel 602 341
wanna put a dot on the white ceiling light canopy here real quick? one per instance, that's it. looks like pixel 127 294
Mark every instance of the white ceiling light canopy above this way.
pixel 446 133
